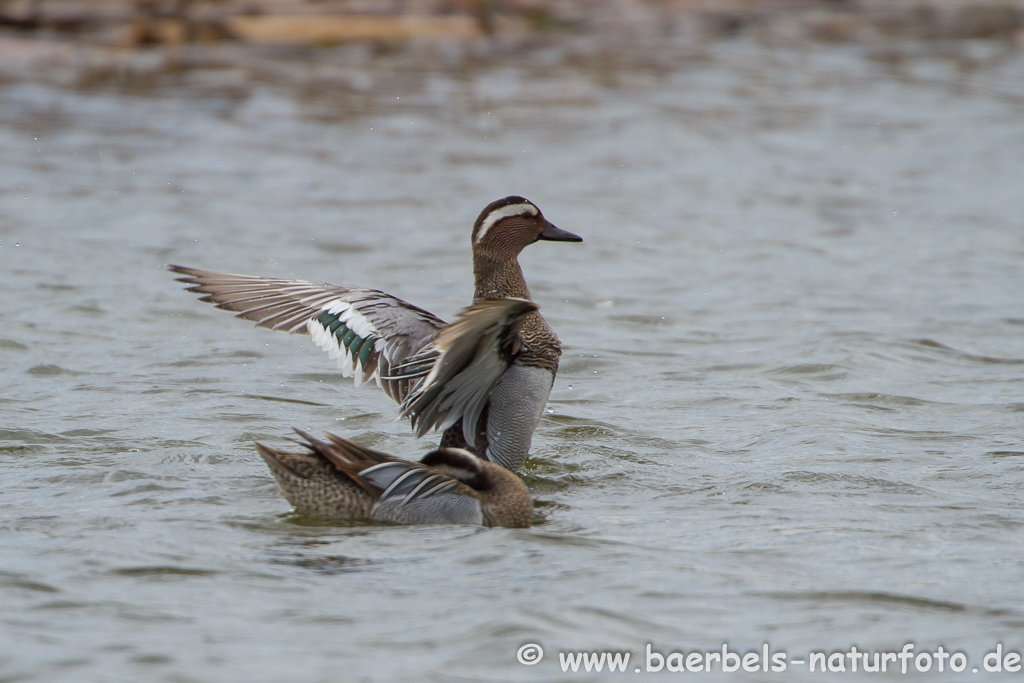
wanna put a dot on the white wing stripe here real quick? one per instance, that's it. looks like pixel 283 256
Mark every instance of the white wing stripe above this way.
pixel 374 468
pixel 412 494
pixel 335 307
pixel 346 363
pixel 398 480
pixel 356 322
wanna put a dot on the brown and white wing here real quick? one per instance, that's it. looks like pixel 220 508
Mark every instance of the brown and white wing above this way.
pixel 461 365
pixel 406 492
pixel 367 331
pixel 414 494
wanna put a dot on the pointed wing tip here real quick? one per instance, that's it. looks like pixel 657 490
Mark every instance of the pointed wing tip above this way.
pixel 182 270
pixel 304 434
pixel 269 454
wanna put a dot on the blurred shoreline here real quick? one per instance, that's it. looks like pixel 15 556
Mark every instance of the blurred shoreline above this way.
pixel 354 44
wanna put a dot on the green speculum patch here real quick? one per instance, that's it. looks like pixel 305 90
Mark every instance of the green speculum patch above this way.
pixel 356 345
pixel 332 324
pixel 368 346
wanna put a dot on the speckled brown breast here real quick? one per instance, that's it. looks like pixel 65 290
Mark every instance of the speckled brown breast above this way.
pixel 541 346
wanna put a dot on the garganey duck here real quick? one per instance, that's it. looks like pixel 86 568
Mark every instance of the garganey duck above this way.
pixel 483 379
pixel 344 480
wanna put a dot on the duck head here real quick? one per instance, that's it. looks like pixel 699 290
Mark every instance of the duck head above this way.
pixel 507 226
pixel 504 498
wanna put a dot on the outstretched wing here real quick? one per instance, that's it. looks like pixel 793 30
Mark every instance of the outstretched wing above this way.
pixel 367 331
pixel 461 365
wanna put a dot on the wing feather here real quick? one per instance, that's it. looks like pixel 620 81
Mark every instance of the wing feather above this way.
pixel 389 331
pixel 398 482
pixel 456 371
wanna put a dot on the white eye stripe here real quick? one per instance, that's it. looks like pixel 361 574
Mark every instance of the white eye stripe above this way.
pixel 504 212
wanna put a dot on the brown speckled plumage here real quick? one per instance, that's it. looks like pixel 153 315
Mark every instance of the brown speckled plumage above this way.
pixel 316 487
pixel 541 347
pixel 341 479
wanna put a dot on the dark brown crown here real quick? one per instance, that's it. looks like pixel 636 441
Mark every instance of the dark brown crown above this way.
pixel 459 464
pixel 512 206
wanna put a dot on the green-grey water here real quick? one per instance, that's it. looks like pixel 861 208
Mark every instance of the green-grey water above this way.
pixel 790 408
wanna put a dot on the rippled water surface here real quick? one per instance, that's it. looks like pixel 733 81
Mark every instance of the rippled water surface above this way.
pixel 790 408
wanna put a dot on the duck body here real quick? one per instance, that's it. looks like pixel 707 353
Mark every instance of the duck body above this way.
pixel 483 380
pixel 341 479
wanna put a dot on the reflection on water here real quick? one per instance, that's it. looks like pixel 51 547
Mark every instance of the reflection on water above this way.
pixel 788 410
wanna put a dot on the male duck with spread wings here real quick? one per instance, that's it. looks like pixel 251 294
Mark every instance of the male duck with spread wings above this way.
pixel 483 379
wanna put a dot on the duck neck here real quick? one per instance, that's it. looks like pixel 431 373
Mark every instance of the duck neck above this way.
pixel 499 279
